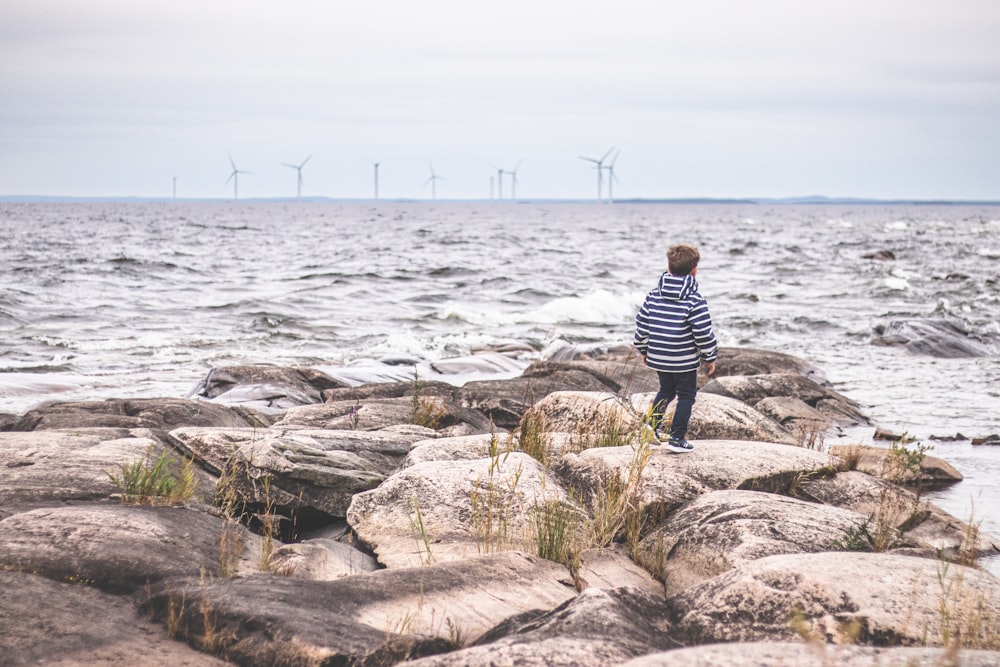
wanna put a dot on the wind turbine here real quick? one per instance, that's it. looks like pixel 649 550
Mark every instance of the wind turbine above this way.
pixel 175 188
pixel 600 170
pixel 235 178
pixel 434 178
pixel 513 181
pixel 611 177
pixel 298 169
pixel 376 165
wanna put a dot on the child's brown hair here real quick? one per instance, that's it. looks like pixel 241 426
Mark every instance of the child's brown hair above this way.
pixel 682 259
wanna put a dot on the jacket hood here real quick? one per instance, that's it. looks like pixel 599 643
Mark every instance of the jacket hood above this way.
pixel 676 288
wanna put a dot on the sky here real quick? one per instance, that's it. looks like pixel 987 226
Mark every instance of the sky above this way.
pixel 708 98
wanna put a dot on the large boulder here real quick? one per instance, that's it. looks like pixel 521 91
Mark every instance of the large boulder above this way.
pixel 722 530
pixel 942 338
pixel 593 413
pixel 441 511
pixel 45 622
pixel 720 417
pixel 883 462
pixel 44 467
pixel 750 361
pixel 433 411
pixel 812 654
pixel 121 548
pixel 879 599
pixel 597 628
pixel 160 414
pixel 378 618
pixel 304 467
pixel 267 388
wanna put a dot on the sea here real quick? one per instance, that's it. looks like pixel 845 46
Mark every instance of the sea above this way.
pixel 138 299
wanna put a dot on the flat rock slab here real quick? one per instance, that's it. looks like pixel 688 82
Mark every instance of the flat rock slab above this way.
pixel 597 628
pixel 889 600
pixel 389 615
pixel 439 511
pixel 266 388
pixel 73 464
pixel 801 654
pixel 116 548
pixel 44 622
pixel 371 414
pixel 162 414
pixel 722 530
pixel 316 468
pixel 753 389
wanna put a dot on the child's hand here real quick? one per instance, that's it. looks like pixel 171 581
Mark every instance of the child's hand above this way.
pixel 710 368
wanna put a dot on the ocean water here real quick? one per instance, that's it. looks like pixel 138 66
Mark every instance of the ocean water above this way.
pixel 127 300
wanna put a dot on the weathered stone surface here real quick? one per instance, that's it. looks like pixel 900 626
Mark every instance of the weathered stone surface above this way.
pixel 587 411
pixel 890 599
pixel 153 413
pixel 379 413
pixel 73 464
pixel 723 418
pixel 379 618
pixel 597 628
pixel 752 389
pixel 116 548
pixel 612 567
pixel 44 622
pixel 802 654
pixel 919 526
pixel 456 448
pixel 878 461
pixel 505 401
pixel 440 511
pixel 320 560
pixel 722 530
pixel 266 388
pixel 749 361
pixel 316 468
pixel 942 338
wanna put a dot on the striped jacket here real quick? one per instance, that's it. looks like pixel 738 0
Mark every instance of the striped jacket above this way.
pixel 673 327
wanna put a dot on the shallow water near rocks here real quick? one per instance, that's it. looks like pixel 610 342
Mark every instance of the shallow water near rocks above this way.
pixel 126 300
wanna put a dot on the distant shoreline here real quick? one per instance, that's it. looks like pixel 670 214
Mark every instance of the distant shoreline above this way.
pixel 749 201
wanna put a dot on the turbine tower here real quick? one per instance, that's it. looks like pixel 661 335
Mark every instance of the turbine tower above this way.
pixel 434 178
pixel 612 179
pixel 600 171
pixel 234 176
pixel 513 181
pixel 298 169
pixel 376 165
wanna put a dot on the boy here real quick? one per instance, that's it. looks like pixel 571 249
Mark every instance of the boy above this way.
pixel 673 333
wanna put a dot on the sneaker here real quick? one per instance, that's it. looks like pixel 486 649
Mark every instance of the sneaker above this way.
pixel 661 435
pixel 650 432
pixel 679 445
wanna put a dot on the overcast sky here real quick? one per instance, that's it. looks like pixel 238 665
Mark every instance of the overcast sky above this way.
pixel 716 98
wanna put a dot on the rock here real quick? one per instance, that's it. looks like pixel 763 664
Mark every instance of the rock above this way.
pixel 162 414
pixel 941 338
pixel 505 401
pixel 884 599
pixel 754 389
pixel 587 412
pixel 597 628
pixel 887 255
pixel 378 413
pixel 993 439
pixel 813 654
pixel 440 511
pixel 314 468
pixel 749 361
pixel 880 462
pixel 612 567
pixel 390 390
pixel 794 414
pixel 57 623
pixel 457 448
pixel 266 388
pixel 320 560
pixel 380 618
pixel 721 530
pixel 43 467
pixel 118 548
pixel 718 417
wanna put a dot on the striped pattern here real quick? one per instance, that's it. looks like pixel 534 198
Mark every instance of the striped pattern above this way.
pixel 673 327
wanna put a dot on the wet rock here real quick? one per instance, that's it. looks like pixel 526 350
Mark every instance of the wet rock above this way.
pixel 441 511
pixel 266 388
pixel 161 414
pixel 813 654
pixel 993 439
pixel 754 389
pixel 885 255
pixel 722 530
pixel 380 618
pixel 305 468
pixel 883 598
pixel 720 417
pixel 941 338
pixel 597 628
pixel 116 548
pixel 44 622
pixel 44 467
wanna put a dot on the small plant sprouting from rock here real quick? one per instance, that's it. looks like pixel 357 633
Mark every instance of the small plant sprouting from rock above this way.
pixel 533 437
pixel 354 415
pixel 159 481
pixel 420 533
pixel 425 410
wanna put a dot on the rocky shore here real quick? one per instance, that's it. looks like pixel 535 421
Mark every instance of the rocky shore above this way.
pixel 279 517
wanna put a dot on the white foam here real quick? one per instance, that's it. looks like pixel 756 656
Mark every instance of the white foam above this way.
pixel 992 253
pixel 897 225
pixel 898 284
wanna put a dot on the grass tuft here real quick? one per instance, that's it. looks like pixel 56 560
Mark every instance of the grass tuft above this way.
pixel 156 482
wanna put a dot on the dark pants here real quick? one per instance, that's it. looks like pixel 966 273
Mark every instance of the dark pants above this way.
pixel 683 387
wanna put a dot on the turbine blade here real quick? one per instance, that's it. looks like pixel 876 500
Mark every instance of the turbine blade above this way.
pixel 304 161
pixel 607 154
